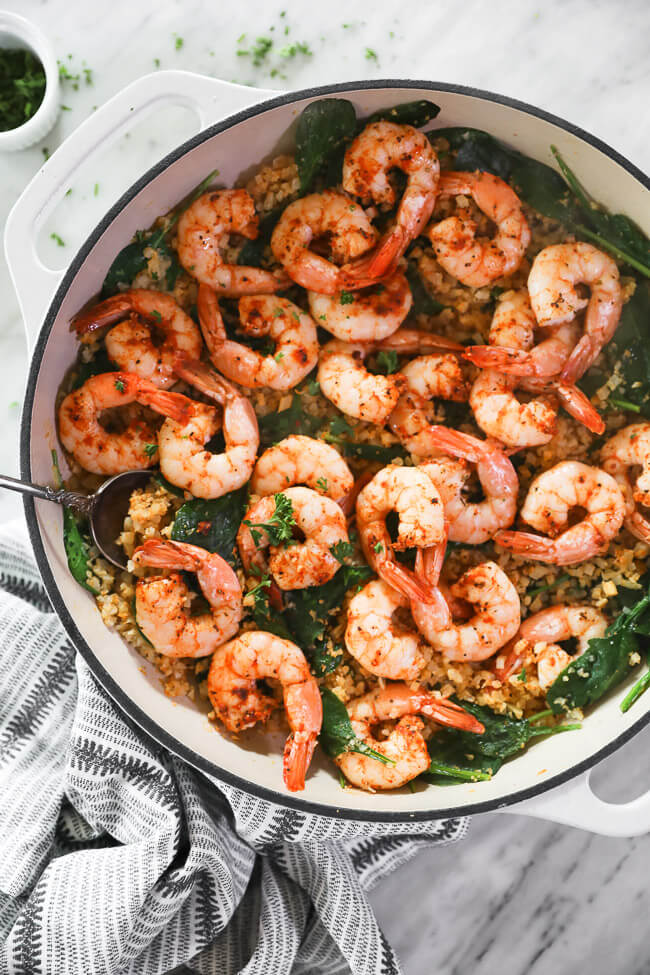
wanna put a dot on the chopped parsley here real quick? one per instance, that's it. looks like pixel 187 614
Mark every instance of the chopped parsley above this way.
pixel 371 55
pixel 149 448
pixel 378 547
pixel 279 527
pixel 22 86
pixel 119 385
pixel 156 314
pixel 346 298
pixel 322 484
pixel 388 361
pixel 522 676
pixel 57 240
pixel 178 42
pixel 342 551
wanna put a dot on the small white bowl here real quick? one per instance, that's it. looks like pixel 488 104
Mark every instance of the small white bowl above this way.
pixel 17 32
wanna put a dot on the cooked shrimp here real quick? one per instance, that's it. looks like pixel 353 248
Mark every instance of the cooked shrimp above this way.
pixel 497 617
pixel 411 494
pixel 95 448
pixel 346 382
pixel 501 415
pixel 540 634
pixel 405 747
pixel 185 462
pixel 291 330
pixel 364 316
pixel 203 232
pixel 428 377
pixel 473 261
pixel 622 456
pixel 555 299
pixel 549 502
pixel 380 643
pixel 130 344
pixel 512 347
pixel 161 601
pixel 496 408
pixel 302 460
pixel 327 214
pixel 298 565
pixel 473 522
pixel 369 159
pixel 239 701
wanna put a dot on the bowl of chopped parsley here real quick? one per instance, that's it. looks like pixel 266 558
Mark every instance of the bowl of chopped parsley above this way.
pixel 29 83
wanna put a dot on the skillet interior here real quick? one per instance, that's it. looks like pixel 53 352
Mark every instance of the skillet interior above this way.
pixel 254 763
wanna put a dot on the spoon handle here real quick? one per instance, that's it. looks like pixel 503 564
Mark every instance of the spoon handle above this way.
pixel 79 502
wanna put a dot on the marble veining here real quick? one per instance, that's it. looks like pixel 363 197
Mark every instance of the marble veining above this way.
pixel 519 895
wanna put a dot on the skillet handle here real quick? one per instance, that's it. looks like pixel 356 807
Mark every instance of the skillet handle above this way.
pixel 35 283
pixel 575 804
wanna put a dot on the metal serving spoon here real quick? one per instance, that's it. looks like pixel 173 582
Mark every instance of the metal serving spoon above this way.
pixel 105 510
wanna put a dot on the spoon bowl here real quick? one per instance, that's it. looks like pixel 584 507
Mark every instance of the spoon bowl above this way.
pixel 105 510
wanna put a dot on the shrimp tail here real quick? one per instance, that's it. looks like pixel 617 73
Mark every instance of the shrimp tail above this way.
pixel 579 407
pixel 452 715
pixel 407 582
pixel 173 405
pixel 105 313
pixel 203 378
pixel 413 340
pixel 458 444
pixel 159 553
pixel 298 752
pixel 512 361
pixel 527 543
pixel 510 659
pixel 380 263
pixel 584 353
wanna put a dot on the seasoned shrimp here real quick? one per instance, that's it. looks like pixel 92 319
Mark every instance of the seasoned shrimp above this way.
pixel 405 747
pixel 95 448
pixel 298 565
pixel 161 601
pixel 380 148
pixel 185 462
pixel 239 701
pixel 203 232
pixel 540 635
pixel 381 644
pixel 555 298
pixel 130 344
pixel 496 408
pixel 512 347
pixel 364 316
pixel 346 382
pixel 415 341
pixel 473 522
pixel 497 617
pixel 428 377
pixel 291 330
pixel 302 460
pixel 549 502
pixel 473 261
pixel 622 456
pixel 412 495
pixel 501 415
pixel 327 214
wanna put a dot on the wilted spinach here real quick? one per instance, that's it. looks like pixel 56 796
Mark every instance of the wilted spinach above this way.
pixel 423 302
pixel 337 734
pixel 340 432
pixel 629 353
pixel 212 525
pixel 464 756
pixel 98 364
pixel 276 426
pixel 416 113
pixel 308 615
pixel 604 664
pixel 253 250
pixel 75 537
pixel 324 127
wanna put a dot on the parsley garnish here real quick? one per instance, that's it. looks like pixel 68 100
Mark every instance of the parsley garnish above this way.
pixel 342 551
pixel 279 527
pixel 346 298
pixel 388 361
pixel 322 484
pixel 119 386
pixel 149 448
pixel 371 55
pixel 57 240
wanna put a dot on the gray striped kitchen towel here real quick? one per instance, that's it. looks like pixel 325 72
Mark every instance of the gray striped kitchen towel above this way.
pixel 115 856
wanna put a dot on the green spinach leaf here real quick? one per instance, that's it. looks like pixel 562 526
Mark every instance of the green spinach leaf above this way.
pixel 323 129
pixel 75 538
pixel 253 250
pixel 604 664
pixel 423 302
pixel 276 426
pixel 465 756
pixel 337 734
pixel 212 525
pixel 93 367
pixel 416 113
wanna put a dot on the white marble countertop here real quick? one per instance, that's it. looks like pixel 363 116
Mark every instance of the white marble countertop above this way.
pixel 518 896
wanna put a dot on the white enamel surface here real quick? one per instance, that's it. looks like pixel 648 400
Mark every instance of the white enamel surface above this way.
pixel 257 757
